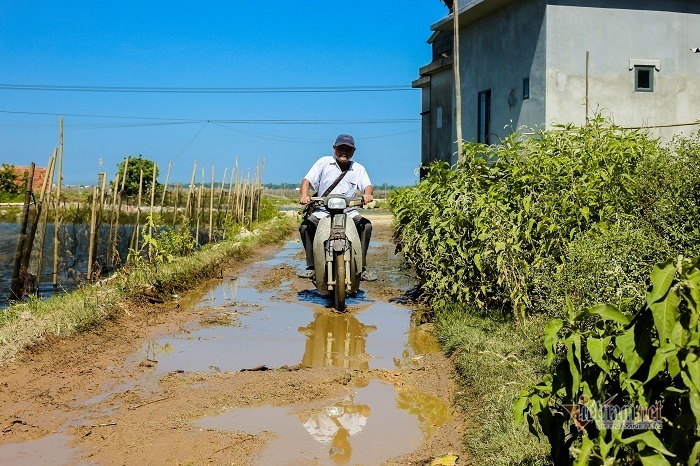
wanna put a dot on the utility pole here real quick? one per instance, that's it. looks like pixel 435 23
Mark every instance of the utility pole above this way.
pixel 458 87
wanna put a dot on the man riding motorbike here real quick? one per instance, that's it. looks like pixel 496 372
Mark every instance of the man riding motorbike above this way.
pixel 342 176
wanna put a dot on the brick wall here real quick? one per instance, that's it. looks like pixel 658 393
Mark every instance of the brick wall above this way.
pixel 39 175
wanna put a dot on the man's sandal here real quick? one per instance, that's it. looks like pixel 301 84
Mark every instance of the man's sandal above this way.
pixel 368 276
pixel 308 273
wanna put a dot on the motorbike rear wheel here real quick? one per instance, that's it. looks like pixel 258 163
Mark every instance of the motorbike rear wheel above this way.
pixel 339 288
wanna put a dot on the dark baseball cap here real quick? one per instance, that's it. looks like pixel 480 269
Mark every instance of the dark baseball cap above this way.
pixel 344 140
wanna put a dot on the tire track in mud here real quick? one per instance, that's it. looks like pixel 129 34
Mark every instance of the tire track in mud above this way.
pixel 162 384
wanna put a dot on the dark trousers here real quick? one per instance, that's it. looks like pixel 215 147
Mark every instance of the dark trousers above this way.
pixel 307 231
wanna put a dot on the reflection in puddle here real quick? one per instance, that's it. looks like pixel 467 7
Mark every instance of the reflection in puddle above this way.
pixel 379 337
pixel 336 340
pixel 368 426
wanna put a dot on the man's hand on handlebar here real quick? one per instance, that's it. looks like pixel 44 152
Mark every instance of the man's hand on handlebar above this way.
pixel 304 199
pixel 367 198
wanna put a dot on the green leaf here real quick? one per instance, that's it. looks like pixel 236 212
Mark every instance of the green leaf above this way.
pixel 551 336
pixel 584 453
pixel 659 362
pixel 661 279
pixel 665 312
pixel 653 460
pixel 573 355
pixel 477 262
pixel 625 343
pixel 607 312
pixel 692 366
pixel 596 349
pixel 586 212
pixel 649 439
pixel 520 406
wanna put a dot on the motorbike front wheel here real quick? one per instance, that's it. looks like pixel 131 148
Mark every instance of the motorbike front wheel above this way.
pixel 339 288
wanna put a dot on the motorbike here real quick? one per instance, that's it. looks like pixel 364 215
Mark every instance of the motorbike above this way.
pixel 337 250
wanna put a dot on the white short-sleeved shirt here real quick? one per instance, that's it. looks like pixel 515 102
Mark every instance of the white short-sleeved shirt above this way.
pixel 326 170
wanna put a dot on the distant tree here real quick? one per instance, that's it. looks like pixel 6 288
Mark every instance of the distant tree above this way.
pixel 7 179
pixel 136 164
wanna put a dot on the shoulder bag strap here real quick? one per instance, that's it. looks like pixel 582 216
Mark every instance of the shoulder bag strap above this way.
pixel 335 183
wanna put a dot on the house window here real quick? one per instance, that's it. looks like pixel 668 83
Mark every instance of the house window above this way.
pixel 526 88
pixel 438 118
pixel 484 122
pixel 643 78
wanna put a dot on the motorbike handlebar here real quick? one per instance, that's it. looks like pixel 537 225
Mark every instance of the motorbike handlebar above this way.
pixel 354 201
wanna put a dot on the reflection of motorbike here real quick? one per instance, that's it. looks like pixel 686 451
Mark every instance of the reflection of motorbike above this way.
pixel 337 249
pixel 336 340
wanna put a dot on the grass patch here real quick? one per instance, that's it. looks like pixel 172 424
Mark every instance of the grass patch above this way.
pixel 28 323
pixel 494 361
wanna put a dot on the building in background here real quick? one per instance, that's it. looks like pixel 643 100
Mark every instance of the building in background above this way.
pixel 523 66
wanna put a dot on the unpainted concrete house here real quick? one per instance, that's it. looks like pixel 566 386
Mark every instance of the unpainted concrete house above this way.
pixel 523 65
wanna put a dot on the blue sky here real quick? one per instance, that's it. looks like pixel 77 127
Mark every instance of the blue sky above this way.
pixel 232 44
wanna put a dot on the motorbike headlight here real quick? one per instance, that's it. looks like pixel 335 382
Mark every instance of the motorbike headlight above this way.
pixel 337 203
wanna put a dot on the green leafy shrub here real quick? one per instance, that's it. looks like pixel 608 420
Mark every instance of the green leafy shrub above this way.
pixel 485 231
pixel 606 264
pixel 268 210
pixel 667 197
pixel 600 355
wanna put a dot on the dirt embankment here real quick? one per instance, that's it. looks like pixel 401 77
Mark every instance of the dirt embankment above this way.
pixel 106 396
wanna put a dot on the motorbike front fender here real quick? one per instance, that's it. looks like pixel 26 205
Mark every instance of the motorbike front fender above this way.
pixel 323 232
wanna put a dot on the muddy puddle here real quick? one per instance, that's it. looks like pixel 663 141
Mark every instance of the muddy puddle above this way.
pixel 257 319
pixel 370 424
pixel 266 316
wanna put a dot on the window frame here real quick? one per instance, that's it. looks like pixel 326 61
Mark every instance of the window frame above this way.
pixel 483 107
pixel 526 88
pixel 644 68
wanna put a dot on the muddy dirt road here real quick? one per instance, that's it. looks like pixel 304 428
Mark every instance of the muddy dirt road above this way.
pixel 168 384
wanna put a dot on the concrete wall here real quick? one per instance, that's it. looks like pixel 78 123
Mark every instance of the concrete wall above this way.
pixel 614 36
pixel 497 52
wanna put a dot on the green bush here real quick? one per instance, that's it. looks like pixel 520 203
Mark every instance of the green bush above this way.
pixel 7 180
pixel 483 231
pixel 608 263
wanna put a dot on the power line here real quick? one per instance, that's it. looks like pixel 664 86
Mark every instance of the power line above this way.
pixel 206 90
pixel 218 121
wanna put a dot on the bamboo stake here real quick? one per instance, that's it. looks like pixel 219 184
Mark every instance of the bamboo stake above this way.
pixel 221 198
pixel 115 251
pixel 177 197
pixel 190 193
pixel 138 216
pixel 39 207
pixel 57 220
pixel 101 181
pixel 230 189
pixel 45 219
pixel 111 220
pixel 93 221
pixel 150 223
pixel 252 192
pixel 211 206
pixel 199 207
pixel 17 282
pixel 165 187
